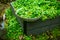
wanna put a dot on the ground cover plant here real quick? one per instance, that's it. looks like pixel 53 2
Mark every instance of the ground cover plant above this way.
pixel 44 9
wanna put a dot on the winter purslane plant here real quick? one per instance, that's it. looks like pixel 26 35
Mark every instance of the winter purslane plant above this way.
pixel 14 30
pixel 37 8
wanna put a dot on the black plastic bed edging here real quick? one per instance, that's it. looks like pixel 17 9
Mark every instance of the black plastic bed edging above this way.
pixel 38 26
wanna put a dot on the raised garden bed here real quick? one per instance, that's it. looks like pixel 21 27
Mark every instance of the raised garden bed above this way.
pixel 36 26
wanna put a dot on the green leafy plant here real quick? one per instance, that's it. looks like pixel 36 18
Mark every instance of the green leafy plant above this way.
pixel 44 9
pixel 14 30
